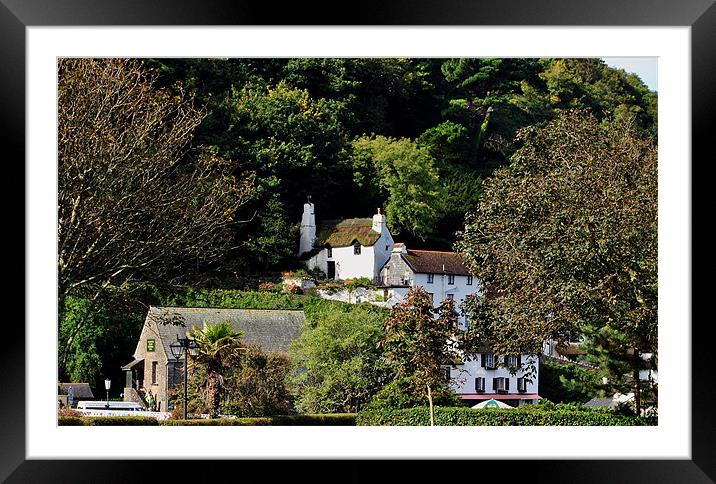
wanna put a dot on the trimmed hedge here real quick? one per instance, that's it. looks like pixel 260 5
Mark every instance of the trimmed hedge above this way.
pixel 340 419
pixel 107 421
pixel 498 417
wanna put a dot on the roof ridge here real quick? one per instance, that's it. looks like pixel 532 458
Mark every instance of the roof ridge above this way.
pixel 434 251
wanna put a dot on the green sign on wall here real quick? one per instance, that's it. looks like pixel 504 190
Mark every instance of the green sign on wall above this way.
pixel 151 344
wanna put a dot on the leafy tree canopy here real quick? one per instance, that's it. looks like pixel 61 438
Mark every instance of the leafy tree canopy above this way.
pixel 565 238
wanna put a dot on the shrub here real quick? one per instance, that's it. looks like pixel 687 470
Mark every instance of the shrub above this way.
pixel 340 419
pixel 120 421
pixel 358 282
pixel 529 415
pixel 68 412
pixel 404 393
pixel 73 421
pixel 267 286
pixel 293 289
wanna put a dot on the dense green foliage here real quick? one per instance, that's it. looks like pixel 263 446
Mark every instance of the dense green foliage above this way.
pixel 567 382
pixel 295 123
pixel 337 362
pixel 108 331
pixel 252 385
pixel 401 393
pixel 404 176
pixel 528 415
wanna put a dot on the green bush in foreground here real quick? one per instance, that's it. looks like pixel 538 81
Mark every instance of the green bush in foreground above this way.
pixel 342 419
pixel 463 416
pixel 107 421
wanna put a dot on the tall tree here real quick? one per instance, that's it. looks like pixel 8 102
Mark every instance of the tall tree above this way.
pixel 568 235
pixel 404 175
pixel 419 339
pixel 135 201
pixel 218 348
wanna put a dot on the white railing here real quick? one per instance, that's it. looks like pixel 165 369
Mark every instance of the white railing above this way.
pixel 124 413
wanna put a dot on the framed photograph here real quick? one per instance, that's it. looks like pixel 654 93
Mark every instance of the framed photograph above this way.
pixel 677 39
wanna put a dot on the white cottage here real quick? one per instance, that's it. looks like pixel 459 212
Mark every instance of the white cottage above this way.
pixel 345 249
pixel 443 275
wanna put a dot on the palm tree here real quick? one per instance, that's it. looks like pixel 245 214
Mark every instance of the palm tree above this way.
pixel 217 345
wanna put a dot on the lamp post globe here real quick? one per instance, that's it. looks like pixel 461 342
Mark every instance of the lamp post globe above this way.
pixel 107 384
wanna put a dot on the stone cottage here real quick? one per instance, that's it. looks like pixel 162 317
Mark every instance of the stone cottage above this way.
pixel 155 369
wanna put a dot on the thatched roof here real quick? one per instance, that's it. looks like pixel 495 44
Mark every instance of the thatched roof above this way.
pixel 343 233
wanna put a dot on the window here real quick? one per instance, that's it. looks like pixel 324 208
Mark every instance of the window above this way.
pixel 479 385
pixel 431 277
pixel 469 280
pixel 501 384
pixel 446 373
pixel 451 296
pixel 522 385
pixel 451 278
pixel 386 248
pixel 329 251
pixel 488 360
pixel 432 299
pixel 154 372
pixel 356 248
pixel 513 361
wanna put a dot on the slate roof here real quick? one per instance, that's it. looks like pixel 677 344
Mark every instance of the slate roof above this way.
pixel 81 391
pixel 600 402
pixel 271 329
pixel 342 233
pixel 435 262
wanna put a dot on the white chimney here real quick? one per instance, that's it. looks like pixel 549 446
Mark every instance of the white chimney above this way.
pixel 399 248
pixel 308 228
pixel 378 222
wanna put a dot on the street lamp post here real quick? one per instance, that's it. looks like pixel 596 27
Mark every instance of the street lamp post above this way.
pixel 183 345
pixel 107 383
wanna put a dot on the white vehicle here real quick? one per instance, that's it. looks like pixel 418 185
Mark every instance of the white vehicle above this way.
pixel 100 405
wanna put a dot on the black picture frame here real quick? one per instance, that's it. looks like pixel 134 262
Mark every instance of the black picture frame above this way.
pixel 16 15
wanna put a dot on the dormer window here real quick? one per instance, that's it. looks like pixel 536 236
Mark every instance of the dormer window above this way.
pixel 356 248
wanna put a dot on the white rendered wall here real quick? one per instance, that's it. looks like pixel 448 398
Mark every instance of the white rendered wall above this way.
pixel 348 264
pixel 383 248
pixel 463 376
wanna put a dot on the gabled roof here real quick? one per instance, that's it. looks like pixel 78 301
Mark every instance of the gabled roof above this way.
pixel 435 262
pixel 271 329
pixel 79 390
pixel 342 233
